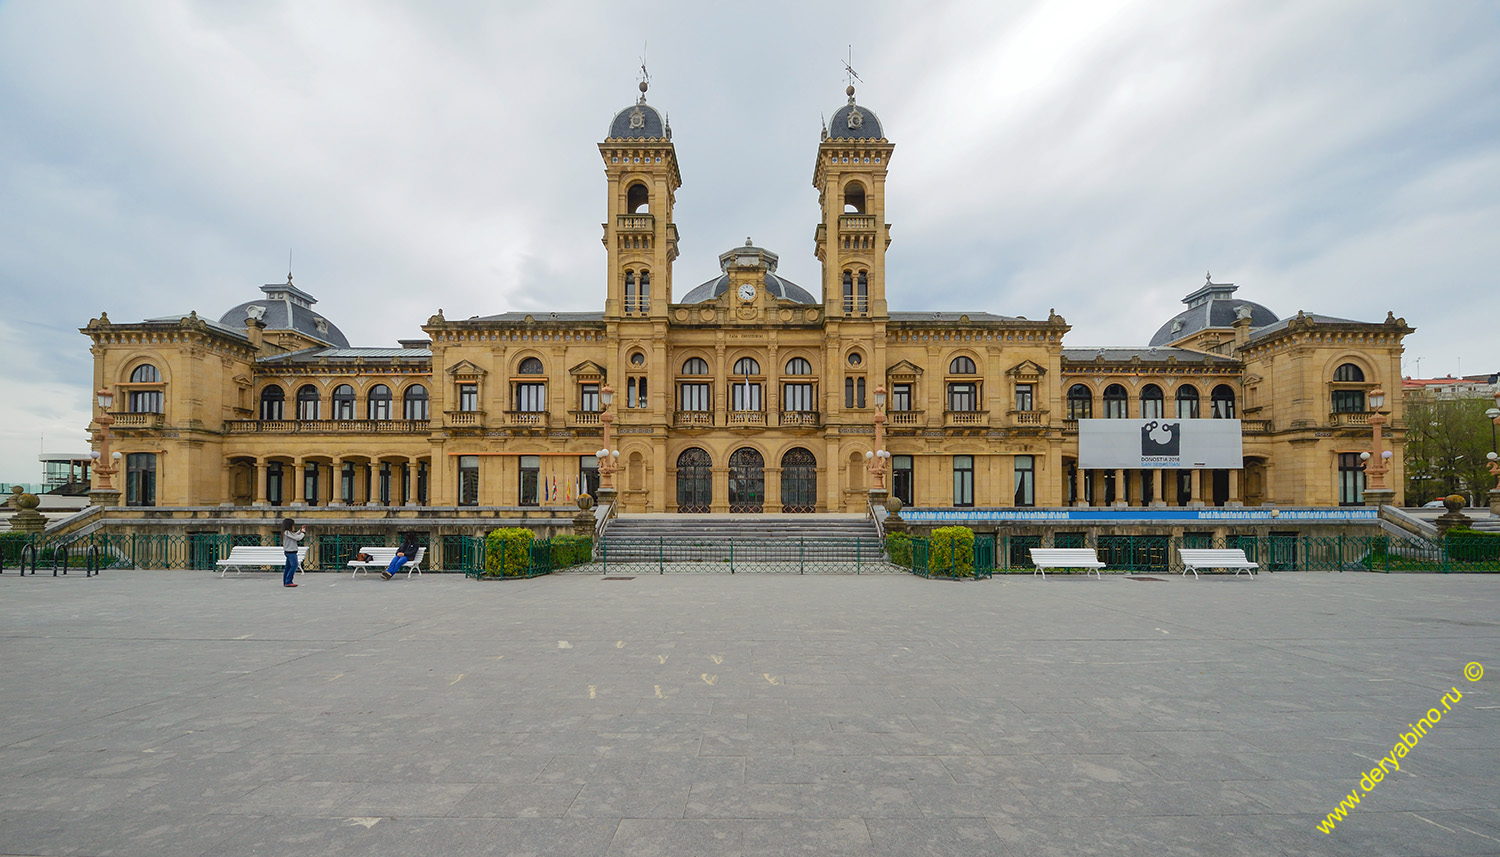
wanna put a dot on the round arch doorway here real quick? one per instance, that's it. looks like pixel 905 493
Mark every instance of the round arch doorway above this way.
pixel 695 483
pixel 799 481
pixel 747 481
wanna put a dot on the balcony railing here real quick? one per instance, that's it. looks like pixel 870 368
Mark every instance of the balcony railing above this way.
pixel 1029 418
pixel 1348 419
pixel 804 419
pixel 1070 425
pixel 856 223
pixel 694 419
pixel 747 418
pixel 1256 426
pixel 636 222
pixel 464 418
pixel 526 419
pixel 327 426
pixel 138 420
pixel 584 418
pixel 966 418
pixel 905 418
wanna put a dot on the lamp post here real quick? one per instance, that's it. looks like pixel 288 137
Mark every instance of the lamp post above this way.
pixel 1493 464
pixel 608 458
pixel 105 463
pixel 1377 461
pixel 875 459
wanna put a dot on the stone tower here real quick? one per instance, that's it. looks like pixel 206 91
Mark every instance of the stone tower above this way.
pixel 850 177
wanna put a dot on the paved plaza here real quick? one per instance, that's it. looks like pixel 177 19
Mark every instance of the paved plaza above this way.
pixel 177 713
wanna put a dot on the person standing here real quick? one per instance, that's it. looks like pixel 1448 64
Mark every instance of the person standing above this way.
pixel 404 554
pixel 290 541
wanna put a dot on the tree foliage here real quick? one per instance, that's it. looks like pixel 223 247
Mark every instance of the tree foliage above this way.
pixel 1446 444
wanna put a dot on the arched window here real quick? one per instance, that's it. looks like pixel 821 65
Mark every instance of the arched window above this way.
pixel 1187 402
pixel 854 198
pixel 1347 373
pixel 414 403
pixel 308 401
pixel 530 366
pixel 798 366
pixel 862 296
pixel 747 366
pixel 629 292
pixel 695 366
pixel 1080 402
pixel 145 401
pixel 1115 402
pixel 638 199
pixel 272 403
pixel 643 300
pixel 961 366
pixel 145 374
pixel 343 402
pixel 1152 407
pixel 848 291
pixel 1222 402
pixel 380 402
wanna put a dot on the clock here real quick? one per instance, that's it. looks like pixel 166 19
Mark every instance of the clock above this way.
pixel 747 292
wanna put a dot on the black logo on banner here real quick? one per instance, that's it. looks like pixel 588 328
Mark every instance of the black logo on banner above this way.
pixel 1161 439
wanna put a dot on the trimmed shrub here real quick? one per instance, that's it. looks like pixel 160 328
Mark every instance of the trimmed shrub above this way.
pixel 570 550
pixel 1466 545
pixel 952 551
pixel 898 549
pixel 507 552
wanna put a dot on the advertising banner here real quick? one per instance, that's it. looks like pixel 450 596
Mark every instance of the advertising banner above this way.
pixel 1159 443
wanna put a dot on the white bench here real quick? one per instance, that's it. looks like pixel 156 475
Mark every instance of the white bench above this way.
pixel 381 558
pixel 1045 558
pixel 242 555
pixel 1196 558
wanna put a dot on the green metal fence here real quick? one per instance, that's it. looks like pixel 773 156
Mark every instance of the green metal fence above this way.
pixel 484 559
pixel 664 555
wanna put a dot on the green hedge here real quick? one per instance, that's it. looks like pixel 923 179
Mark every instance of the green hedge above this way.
pixel 507 552
pixel 570 550
pixel 898 549
pixel 952 552
pixel 1462 544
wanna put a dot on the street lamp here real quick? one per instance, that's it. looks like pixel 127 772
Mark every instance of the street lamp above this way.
pixel 875 459
pixel 608 458
pixel 1377 464
pixel 106 462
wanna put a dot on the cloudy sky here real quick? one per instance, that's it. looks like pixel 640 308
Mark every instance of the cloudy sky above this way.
pixel 1096 157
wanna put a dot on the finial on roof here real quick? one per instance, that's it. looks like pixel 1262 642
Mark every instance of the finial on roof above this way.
pixel 645 76
pixel 1208 278
pixel 748 242
pixel 850 75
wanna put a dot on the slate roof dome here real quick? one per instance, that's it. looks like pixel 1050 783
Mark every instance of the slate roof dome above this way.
pixel 750 257
pixel 853 122
pixel 639 121
pixel 286 307
pixel 1213 305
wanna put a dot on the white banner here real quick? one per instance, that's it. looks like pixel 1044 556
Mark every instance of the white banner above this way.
pixel 1160 443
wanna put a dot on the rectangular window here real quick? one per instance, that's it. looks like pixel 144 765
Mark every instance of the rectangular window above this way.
pixel 695 397
pixel 1223 409
pixel 145 401
pixel 963 480
pixel 385 483
pixel 588 398
pixel 901 478
pixel 862 300
pixel 1351 480
pixel 1187 409
pixel 630 393
pixel 1024 398
pixel 468 397
pixel 346 483
pixel 531 470
pixel 854 392
pixel 746 397
pixel 468 480
pixel 272 409
pixel 797 397
pixel 963 396
pixel 310 484
pixel 1348 401
pixel 1025 480
pixel 531 398
pixel 422 483
pixel 140 479
pixel 307 409
pixel 900 397
pixel 588 475
pixel 273 483
pixel 380 408
pixel 1147 487
pixel 1151 409
pixel 1114 408
pixel 414 408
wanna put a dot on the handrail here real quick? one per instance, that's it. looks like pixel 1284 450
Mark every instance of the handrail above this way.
pixel 1395 518
pixel 879 523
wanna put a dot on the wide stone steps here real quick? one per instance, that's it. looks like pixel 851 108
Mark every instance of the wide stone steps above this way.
pixel 688 538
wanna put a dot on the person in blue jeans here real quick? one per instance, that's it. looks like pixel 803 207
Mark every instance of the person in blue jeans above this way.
pixel 290 541
pixel 404 554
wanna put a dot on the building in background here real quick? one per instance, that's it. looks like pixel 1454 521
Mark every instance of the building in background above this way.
pixel 744 393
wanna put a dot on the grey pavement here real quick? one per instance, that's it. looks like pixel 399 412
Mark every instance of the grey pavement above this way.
pixel 177 713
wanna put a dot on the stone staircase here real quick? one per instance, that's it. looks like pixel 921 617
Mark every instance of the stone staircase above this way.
pixel 823 540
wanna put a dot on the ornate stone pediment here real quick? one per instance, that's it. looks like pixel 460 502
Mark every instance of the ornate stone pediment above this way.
pixel 904 369
pixel 464 370
pixel 1026 370
pixel 587 370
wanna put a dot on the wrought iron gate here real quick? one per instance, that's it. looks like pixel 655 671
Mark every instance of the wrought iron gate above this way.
pixel 799 481
pixel 747 481
pixel 695 486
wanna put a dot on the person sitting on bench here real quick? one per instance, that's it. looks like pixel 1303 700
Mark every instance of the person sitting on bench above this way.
pixel 404 554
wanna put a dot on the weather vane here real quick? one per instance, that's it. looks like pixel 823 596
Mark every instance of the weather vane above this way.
pixel 849 72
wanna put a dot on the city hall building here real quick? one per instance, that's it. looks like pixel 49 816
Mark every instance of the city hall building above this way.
pixel 744 393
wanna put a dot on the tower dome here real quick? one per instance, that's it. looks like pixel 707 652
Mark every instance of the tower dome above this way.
pixel 639 121
pixel 853 122
pixel 1212 306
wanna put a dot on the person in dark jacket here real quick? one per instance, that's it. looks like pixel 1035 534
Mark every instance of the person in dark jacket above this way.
pixel 404 554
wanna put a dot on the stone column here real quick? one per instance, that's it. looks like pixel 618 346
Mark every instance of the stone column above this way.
pixel 1234 490
pixel 1081 480
pixel 291 487
pixel 1158 489
pixel 260 474
pixel 1197 501
pixel 1120 492
pixel 336 482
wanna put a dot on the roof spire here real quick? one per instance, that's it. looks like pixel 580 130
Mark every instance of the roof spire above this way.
pixel 289 266
pixel 850 75
pixel 1208 278
pixel 645 75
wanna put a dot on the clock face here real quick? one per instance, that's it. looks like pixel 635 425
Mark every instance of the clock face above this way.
pixel 747 292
